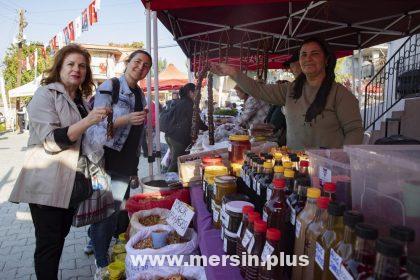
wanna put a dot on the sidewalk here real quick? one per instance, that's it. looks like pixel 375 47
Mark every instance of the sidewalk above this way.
pixel 17 240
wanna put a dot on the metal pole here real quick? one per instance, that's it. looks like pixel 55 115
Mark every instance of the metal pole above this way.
pixel 190 74
pixel 360 66
pixel 156 82
pixel 353 74
pixel 149 131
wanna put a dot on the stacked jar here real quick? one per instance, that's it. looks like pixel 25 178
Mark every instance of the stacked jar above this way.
pixel 223 185
pixel 210 172
pixel 226 199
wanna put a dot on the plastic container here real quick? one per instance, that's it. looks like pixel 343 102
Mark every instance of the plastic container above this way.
pixel 386 190
pixel 332 166
pixel 238 145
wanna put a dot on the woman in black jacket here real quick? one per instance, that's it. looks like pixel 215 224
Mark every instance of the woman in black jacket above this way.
pixel 179 136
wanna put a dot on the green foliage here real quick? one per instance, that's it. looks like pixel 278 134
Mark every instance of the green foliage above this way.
pixel 134 45
pixel 162 63
pixel 340 75
pixel 225 112
pixel 11 64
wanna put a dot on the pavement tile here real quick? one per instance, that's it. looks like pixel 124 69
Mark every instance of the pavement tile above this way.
pixel 81 271
pixel 7 275
pixel 68 264
pixel 25 271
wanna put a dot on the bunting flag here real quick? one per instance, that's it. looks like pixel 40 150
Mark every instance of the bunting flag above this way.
pixel 78 27
pixel 93 16
pixel 85 21
pixel 97 5
pixel 28 64
pixel 32 60
pixel 60 40
pixel 44 51
pixel 66 35
pixel 71 31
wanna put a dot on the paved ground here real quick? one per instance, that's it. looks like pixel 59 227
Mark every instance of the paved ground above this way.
pixel 17 240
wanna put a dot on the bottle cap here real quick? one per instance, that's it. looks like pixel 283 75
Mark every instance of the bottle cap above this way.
pixel 273 234
pixel 413 266
pixel 278 169
pixel 322 202
pixel 329 187
pixel 268 165
pixel 366 231
pixel 351 218
pixel 335 209
pixel 287 164
pixel 247 209
pixel 278 156
pixel 389 247
pixel 289 173
pixel 313 193
pixel 304 163
pixel 253 216
pixel 402 233
pixel 260 226
pixel 279 183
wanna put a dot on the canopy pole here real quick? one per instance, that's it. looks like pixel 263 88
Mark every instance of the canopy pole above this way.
pixel 221 82
pixel 360 66
pixel 156 82
pixel 149 131
pixel 190 73
pixel 4 99
pixel 353 74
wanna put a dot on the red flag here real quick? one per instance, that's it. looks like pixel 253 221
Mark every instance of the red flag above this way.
pixel 93 16
pixel 44 52
pixel 54 42
pixel 71 31
pixel 32 60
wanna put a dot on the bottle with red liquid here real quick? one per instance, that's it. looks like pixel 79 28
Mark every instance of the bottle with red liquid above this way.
pixel 387 262
pixel 361 265
pixel 246 210
pixel 255 248
pixel 406 236
pixel 329 190
pixel 246 238
pixel 271 248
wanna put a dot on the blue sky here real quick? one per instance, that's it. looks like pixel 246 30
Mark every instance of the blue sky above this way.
pixel 120 21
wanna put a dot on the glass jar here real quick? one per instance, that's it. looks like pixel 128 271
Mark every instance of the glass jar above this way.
pixel 233 216
pixel 229 198
pixel 210 172
pixel 387 263
pixel 229 242
pixel 224 185
pixel 237 146
pixel 406 236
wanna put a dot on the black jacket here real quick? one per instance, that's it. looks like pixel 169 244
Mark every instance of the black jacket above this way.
pixel 182 121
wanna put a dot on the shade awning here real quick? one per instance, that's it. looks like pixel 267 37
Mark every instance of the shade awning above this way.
pixel 27 89
pixel 169 79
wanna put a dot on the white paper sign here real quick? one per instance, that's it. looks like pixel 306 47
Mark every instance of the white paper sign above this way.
pixel 180 216
pixel 345 275
pixel 335 264
pixel 267 251
pixel 319 256
pixel 324 174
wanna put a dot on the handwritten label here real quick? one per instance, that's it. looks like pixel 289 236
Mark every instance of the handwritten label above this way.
pixel 319 255
pixel 298 227
pixel 251 245
pixel 267 251
pixel 180 216
pixel 345 275
pixel 292 216
pixel 324 175
pixel 335 264
pixel 265 216
pixel 247 237
pixel 269 193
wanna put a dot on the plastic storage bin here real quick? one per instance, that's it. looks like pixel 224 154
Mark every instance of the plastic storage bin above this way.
pixel 331 166
pixel 386 186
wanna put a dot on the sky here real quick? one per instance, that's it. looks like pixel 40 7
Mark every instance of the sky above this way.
pixel 119 21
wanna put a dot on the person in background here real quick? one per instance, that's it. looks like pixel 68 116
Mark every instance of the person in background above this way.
pixel 180 137
pixel 254 111
pixel 293 65
pixel 320 113
pixel 21 117
pixel 59 117
pixel 276 117
pixel 175 97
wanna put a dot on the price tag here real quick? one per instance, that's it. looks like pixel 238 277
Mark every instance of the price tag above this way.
pixel 180 216
pixel 247 237
pixel 238 233
pixel 293 216
pixel 225 245
pixel 229 147
pixel 227 219
pixel 204 186
pixel 265 216
pixel 319 255
pixel 258 188
pixel 222 233
pixel 297 228
pixel 267 251
pixel 254 184
pixel 324 174
pixel 335 264
pixel 269 193
pixel 345 275
pixel 251 245
pixel 215 214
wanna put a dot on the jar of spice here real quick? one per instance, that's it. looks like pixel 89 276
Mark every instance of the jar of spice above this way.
pixel 210 172
pixel 234 214
pixel 224 185
pixel 237 146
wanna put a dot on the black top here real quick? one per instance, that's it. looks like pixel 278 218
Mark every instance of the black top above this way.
pixel 126 161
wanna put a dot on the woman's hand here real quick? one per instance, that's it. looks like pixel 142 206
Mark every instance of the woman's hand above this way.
pixel 222 69
pixel 137 118
pixel 97 115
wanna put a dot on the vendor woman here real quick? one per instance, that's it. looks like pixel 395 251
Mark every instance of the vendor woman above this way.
pixel 320 113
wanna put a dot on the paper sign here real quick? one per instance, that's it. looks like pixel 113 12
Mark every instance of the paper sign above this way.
pixel 180 216
pixel 324 175
pixel 267 251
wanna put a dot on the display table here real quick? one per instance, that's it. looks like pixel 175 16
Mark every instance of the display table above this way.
pixel 209 238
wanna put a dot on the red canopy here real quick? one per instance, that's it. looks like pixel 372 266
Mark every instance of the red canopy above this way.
pixel 169 79
pixel 239 26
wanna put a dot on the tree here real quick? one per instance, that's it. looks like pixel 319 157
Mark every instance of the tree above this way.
pixel 134 45
pixel 162 63
pixel 11 64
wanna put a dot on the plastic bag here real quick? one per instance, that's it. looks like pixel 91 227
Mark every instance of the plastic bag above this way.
pixel 188 272
pixel 133 265
pixel 135 225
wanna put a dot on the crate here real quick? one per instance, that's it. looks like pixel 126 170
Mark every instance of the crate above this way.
pixel 386 185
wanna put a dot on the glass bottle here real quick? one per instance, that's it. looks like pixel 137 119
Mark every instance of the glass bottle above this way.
pixel 271 247
pixel 246 165
pixel 314 230
pixel 361 264
pixel 265 179
pixel 246 238
pixel 329 190
pixel 295 161
pixel 413 268
pixel 278 174
pixel 289 176
pixel 255 248
pixel 277 159
pixel 246 210
pixel 257 174
pixel 387 262
pixel 328 239
pixel 305 217
pixel 405 235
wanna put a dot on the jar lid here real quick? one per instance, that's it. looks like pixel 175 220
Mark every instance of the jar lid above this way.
pixel 214 169
pixel 304 163
pixel 313 192
pixel 278 156
pixel 389 247
pixel 335 209
pixel 352 217
pixel 239 137
pixel 322 202
pixel 366 231
pixel 402 233
pixel 268 165
pixel 273 234
pixel 235 196
pixel 260 226
pixel 329 187
pixel 224 179
pixel 289 173
pixel 288 164
pixel 413 266
pixel 253 216
pixel 247 209
pixel 236 206
pixel 278 169
pixel 230 234
pixel 279 183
